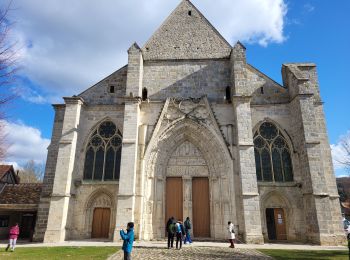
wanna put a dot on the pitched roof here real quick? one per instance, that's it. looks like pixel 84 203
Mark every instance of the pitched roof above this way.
pixel 25 193
pixel 4 169
pixel 186 34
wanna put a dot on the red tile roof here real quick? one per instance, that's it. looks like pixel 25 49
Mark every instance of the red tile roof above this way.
pixel 25 193
pixel 4 169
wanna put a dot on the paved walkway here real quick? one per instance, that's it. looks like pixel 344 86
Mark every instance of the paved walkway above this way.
pixel 162 244
pixel 192 252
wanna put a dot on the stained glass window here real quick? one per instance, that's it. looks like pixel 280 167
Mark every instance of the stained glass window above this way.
pixel 103 153
pixel 272 155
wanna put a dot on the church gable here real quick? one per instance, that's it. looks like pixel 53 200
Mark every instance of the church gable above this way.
pixel 264 90
pixel 186 34
pixel 108 91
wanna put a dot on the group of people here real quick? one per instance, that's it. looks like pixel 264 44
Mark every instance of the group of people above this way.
pixel 181 231
pixel 173 228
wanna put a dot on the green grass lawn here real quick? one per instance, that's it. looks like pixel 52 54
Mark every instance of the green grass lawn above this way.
pixel 303 254
pixel 59 253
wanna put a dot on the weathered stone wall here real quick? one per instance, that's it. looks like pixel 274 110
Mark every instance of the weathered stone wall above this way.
pixel 99 94
pixel 184 79
pixel 309 135
pixel 85 199
pixel 44 205
pixel 186 34
pixel 80 221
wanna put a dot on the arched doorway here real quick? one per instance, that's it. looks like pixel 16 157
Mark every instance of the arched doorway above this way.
pixel 276 215
pixel 188 150
pixel 100 214
pixel 187 188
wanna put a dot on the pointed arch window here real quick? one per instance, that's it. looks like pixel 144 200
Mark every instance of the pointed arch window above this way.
pixel 103 153
pixel 272 155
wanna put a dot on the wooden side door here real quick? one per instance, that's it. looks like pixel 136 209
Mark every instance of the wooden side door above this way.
pixel 280 223
pixel 100 223
pixel 200 207
pixel 174 198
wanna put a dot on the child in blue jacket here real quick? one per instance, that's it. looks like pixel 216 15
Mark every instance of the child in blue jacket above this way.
pixel 128 238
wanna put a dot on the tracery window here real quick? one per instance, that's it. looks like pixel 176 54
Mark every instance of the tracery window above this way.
pixel 103 153
pixel 272 155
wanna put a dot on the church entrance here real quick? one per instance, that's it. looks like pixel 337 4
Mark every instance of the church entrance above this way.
pixel 100 223
pixel 276 224
pixel 174 198
pixel 200 207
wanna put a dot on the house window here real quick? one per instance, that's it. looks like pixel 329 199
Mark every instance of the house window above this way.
pixel 111 89
pixel 103 153
pixel 272 155
pixel 4 221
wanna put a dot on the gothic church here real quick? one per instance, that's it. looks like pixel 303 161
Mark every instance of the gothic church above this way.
pixel 189 128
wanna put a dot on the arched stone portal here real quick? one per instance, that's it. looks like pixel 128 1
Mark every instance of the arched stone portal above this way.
pixel 188 149
pixel 100 200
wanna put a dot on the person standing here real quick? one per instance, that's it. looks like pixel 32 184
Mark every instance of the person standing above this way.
pixel 13 235
pixel 188 227
pixel 179 232
pixel 170 229
pixel 128 238
pixel 231 234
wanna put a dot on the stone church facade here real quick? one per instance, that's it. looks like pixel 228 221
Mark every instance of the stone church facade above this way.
pixel 189 128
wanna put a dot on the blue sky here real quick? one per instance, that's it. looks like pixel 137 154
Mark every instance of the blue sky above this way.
pixel 65 51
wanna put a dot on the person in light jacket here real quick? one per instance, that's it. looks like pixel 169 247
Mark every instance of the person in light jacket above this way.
pixel 231 234
pixel 13 235
pixel 128 239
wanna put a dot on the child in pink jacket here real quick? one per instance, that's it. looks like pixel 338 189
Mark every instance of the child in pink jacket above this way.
pixel 13 235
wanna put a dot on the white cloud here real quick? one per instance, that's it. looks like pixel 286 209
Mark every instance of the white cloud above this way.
pixel 309 8
pixel 339 153
pixel 69 45
pixel 24 143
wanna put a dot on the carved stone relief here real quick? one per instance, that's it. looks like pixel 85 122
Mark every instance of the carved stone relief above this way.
pixel 188 161
pixel 191 108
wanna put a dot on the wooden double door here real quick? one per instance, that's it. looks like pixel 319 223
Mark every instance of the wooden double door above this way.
pixel 200 204
pixel 276 224
pixel 100 223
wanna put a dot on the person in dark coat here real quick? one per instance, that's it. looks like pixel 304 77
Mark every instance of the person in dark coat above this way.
pixel 187 226
pixel 170 229
pixel 128 238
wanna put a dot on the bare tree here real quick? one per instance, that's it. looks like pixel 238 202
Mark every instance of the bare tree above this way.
pixel 345 143
pixel 32 172
pixel 8 67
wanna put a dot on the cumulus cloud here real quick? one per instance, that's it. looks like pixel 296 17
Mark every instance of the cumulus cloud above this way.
pixel 69 45
pixel 339 154
pixel 24 143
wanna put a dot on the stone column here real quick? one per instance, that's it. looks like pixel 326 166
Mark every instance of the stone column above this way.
pixel 50 167
pixel 321 205
pixel 247 171
pixel 57 219
pixel 127 182
pixel 245 148
pixel 187 197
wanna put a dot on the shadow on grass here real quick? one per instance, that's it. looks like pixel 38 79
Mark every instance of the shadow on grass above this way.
pixel 303 254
